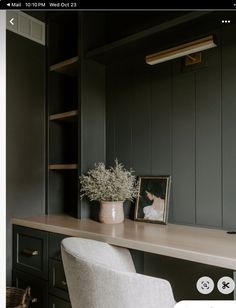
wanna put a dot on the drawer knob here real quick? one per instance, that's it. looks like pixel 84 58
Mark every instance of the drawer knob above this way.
pixel 34 300
pixel 29 252
pixel 64 283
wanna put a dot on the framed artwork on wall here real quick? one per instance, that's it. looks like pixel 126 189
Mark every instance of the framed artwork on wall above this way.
pixel 153 201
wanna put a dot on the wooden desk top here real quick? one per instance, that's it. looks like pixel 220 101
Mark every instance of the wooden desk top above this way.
pixel 208 246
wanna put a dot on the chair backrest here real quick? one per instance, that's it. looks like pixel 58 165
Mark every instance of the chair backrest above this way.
pixel 84 262
pixel 100 275
pixel 96 252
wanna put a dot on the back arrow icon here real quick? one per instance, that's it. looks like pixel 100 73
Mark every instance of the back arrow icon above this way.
pixel 12 21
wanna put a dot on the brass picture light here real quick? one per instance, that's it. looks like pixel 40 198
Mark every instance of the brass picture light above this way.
pixel 191 50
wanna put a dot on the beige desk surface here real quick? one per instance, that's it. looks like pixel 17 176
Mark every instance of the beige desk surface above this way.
pixel 209 246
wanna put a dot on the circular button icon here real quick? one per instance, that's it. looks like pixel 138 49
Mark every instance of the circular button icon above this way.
pixel 205 285
pixel 226 285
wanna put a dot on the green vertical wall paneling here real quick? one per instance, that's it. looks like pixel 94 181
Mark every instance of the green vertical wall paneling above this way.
pixel 112 79
pixel 119 109
pixel 92 125
pixel 122 115
pixel 161 87
pixel 141 120
pixel 161 146
pixel 183 154
pixel 197 144
pixel 93 116
pixel 208 141
pixel 92 120
pixel 229 125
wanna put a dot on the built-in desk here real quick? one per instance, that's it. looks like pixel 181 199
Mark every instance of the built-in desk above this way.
pixel 208 246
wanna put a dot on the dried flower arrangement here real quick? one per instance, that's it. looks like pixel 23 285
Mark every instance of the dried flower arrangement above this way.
pixel 112 184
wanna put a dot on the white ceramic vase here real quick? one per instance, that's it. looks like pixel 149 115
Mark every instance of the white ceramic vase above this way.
pixel 111 212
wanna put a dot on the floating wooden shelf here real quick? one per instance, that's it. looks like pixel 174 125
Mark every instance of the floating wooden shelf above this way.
pixel 63 116
pixel 67 67
pixel 62 166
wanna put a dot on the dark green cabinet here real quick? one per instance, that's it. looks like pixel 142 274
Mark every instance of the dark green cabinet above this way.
pixel 37 263
pixel 54 248
pixel 39 287
pixel 55 302
pixel 30 252
pixel 57 279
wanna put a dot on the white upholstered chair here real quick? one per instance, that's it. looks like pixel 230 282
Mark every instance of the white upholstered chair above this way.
pixel 100 275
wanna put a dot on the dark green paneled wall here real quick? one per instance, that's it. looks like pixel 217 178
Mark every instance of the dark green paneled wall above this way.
pixel 168 120
pixel 229 127
pixel 92 124
pixel 25 119
pixel 183 145
pixel 208 142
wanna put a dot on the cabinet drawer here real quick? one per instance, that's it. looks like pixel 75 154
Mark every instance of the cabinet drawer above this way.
pixel 55 245
pixel 30 252
pixel 57 279
pixel 39 288
pixel 55 302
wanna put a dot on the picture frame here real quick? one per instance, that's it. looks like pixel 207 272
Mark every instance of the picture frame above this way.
pixel 152 204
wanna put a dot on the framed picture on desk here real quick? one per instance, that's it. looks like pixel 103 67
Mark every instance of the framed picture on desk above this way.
pixel 153 201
